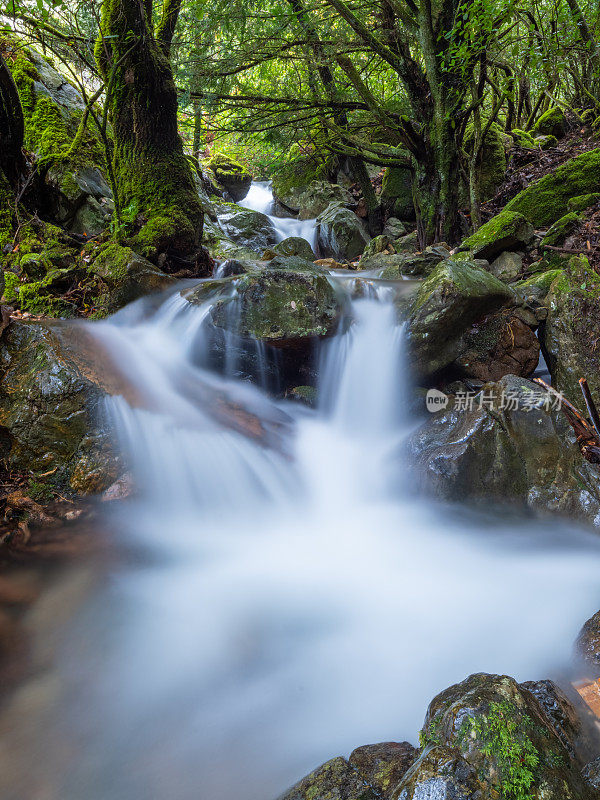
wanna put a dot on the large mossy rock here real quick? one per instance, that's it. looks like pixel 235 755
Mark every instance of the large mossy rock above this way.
pixel 249 229
pixel 318 196
pixel 450 300
pixel 335 780
pixel 396 193
pixel 294 246
pixel 52 389
pixel 547 200
pixel 230 176
pixel 490 737
pixel 570 335
pixel 506 231
pixel 492 165
pixel 508 445
pixel 340 233
pixel 79 196
pixel 552 123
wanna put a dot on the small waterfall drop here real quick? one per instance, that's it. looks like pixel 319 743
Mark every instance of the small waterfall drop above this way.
pixel 260 198
pixel 283 602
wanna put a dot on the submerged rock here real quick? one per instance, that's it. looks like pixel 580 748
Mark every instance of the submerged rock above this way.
pixel 341 234
pixel 506 445
pixel 52 388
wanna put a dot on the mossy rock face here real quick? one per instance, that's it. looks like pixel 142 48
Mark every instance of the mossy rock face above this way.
pixel 229 174
pixel 493 159
pixel 449 301
pixel 545 142
pixel 340 233
pixel 397 266
pixel 51 396
pixel 335 780
pixel 536 288
pixel 588 644
pixel 523 139
pixel 515 449
pixel 547 200
pixel 583 202
pixel 396 193
pixel 552 123
pixel 79 196
pixel 383 765
pixel 570 335
pixel 562 228
pixel 503 732
pixel 508 230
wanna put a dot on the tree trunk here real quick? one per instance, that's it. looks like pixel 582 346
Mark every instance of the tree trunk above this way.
pixel 12 126
pixel 157 195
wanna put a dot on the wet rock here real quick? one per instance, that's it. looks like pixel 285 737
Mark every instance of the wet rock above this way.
pixel 440 773
pixel 502 732
pixel 569 338
pixel 508 230
pixel 249 229
pixel 588 644
pixel 335 780
pixel 407 244
pixel 450 300
pixel 294 263
pixel 125 276
pixel 294 246
pixel 591 774
pixel 535 289
pixel 562 228
pixel 506 445
pixel 340 233
pixel 51 395
pixel 383 765
pixel 307 395
pixel 502 343
pixel 418 265
pixel 232 267
pixel 377 245
pixel 394 228
pixel 507 266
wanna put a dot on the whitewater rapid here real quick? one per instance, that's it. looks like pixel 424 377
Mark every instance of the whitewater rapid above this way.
pixel 280 603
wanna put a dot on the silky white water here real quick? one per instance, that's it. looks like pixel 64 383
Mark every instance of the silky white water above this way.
pixel 283 604
pixel 260 198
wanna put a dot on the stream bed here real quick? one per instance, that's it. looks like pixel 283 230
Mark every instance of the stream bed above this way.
pixel 278 600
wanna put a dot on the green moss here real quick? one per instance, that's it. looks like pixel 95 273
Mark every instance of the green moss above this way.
pixel 218 162
pixel 493 159
pixel 547 200
pixel 562 228
pixel 505 231
pixel 583 202
pixel 552 123
pixel 396 193
pixel 7 221
pixel 11 287
pixel 523 139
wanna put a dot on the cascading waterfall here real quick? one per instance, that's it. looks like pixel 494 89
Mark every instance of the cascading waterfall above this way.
pixel 260 198
pixel 284 598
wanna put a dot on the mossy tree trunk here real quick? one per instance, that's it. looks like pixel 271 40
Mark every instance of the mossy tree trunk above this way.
pixel 159 202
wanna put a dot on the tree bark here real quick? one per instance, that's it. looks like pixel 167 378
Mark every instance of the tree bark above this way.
pixel 12 126
pixel 159 202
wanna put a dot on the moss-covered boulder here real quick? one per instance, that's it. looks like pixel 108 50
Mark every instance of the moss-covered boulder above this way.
pixel 495 738
pixel 450 300
pixel 570 335
pixel 396 193
pixel 562 228
pixel 78 194
pixel 52 389
pixel 492 165
pixel 523 139
pixel 547 199
pixel 230 176
pixel 397 266
pixel 583 202
pixel 315 198
pixel 340 233
pixel 294 246
pixel 383 765
pixel 506 444
pixel 552 123
pixel 508 230
pixel 535 289
pixel 249 229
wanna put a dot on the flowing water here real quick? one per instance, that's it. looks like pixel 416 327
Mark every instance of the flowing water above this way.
pixel 286 598
pixel 260 198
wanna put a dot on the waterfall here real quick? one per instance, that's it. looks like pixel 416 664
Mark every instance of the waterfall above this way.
pixel 284 599
pixel 260 198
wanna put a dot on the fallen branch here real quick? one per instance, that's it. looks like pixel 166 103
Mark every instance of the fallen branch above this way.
pixel 588 436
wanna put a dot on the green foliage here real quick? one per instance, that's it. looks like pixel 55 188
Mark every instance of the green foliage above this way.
pixel 504 738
